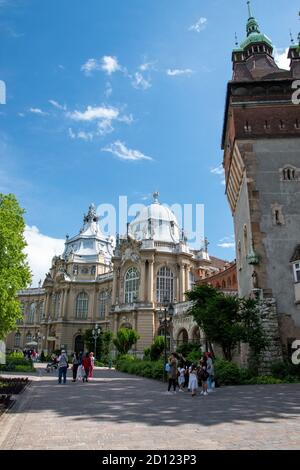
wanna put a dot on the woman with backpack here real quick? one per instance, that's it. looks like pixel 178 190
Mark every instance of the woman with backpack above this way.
pixel 172 374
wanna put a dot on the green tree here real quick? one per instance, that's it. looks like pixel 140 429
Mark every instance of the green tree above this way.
pixel 107 339
pixel 227 320
pixel 157 348
pixel 125 339
pixel 14 270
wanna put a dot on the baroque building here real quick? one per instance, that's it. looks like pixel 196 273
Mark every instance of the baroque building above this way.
pixel 114 283
pixel 261 143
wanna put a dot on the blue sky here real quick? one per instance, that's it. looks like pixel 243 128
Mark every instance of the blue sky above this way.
pixel 109 98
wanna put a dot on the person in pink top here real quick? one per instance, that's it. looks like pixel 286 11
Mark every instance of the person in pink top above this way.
pixel 91 373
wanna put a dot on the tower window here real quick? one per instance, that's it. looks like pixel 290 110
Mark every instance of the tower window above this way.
pixel 277 215
pixel 247 127
pixel 289 174
pixel 281 124
pixel 267 125
pixel 297 272
pixel 297 125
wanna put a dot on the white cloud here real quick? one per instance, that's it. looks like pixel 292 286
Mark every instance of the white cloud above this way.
pixel 57 105
pixel 146 66
pixel 199 26
pixel 94 113
pixel 140 82
pixel 226 245
pixel 110 64
pixel 219 170
pixel 40 250
pixel 227 242
pixel 108 90
pixel 107 64
pixel 121 151
pixel 37 111
pixel 281 58
pixel 90 66
pixel 83 135
pixel 21 114
pixel 175 72
pixel 105 127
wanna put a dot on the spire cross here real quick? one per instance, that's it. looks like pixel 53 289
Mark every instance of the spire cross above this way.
pixel 292 39
pixel 236 40
pixel 249 9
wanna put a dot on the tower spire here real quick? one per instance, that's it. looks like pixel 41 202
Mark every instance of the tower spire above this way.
pixel 249 9
pixel 292 38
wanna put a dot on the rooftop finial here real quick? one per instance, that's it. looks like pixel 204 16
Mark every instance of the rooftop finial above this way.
pixel 155 197
pixel 292 38
pixel 249 9
pixel 91 216
pixel 236 40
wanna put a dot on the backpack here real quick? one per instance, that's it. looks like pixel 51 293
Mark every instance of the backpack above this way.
pixel 167 367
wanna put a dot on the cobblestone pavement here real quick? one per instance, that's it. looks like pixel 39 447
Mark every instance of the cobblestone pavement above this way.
pixel 118 411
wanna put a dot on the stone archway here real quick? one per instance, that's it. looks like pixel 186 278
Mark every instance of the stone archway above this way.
pixel 182 337
pixel 196 336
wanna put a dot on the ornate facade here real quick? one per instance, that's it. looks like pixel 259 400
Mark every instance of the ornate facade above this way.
pixel 122 282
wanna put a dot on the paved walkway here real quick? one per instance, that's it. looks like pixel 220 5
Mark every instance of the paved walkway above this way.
pixel 117 411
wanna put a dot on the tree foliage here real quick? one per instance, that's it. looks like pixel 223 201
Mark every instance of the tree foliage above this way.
pixel 125 339
pixel 103 344
pixel 157 348
pixel 14 271
pixel 228 320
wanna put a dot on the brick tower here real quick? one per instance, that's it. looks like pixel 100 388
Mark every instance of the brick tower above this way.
pixel 261 143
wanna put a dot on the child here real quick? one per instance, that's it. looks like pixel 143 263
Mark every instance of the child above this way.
pixel 193 382
pixel 181 378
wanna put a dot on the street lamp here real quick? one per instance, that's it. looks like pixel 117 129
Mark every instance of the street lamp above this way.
pixel 165 316
pixel 96 332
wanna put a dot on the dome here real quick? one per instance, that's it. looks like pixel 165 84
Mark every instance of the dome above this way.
pixel 156 222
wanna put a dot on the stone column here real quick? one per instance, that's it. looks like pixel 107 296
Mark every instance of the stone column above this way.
pixel 143 281
pixel 61 307
pixel 150 280
pixel 187 271
pixel 181 282
pixel 47 305
pixel 114 288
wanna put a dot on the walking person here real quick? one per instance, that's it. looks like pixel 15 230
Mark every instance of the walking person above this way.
pixel 181 378
pixel 210 371
pixel 62 367
pixel 193 381
pixel 75 366
pixel 172 374
pixel 91 372
pixel 86 363
pixel 204 375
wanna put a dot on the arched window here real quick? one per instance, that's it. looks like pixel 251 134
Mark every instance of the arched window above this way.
pixel 82 305
pixel 31 313
pixel 289 173
pixel 239 255
pixel 103 297
pixel 28 338
pixel 132 282
pixel 165 285
pixel 42 310
pixel 17 341
pixel 56 304
pixel 182 337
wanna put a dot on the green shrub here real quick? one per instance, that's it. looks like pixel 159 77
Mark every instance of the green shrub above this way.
pixel 282 370
pixel 186 348
pixel 264 380
pixel 227 373
pixel 149 369
pixel 194 356
pixel 28 368
pixel 147 354
pixel 15 355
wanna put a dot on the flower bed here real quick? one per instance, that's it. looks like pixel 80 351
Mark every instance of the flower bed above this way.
pixel 12 386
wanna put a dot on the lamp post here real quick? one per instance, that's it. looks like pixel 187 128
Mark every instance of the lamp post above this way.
pixel 96 333
pixel 165 316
